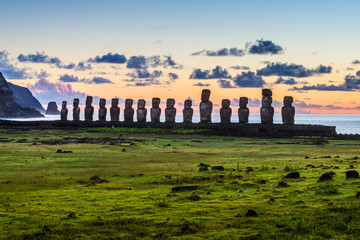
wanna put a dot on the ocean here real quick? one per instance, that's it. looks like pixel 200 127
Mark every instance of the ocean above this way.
pixel 344 123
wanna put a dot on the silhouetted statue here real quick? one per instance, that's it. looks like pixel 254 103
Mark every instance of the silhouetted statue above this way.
pixel 243 111
pixel 267 111
pixel 188 111
pixel 141 112
pixel 155 111
pixel 205 107
pixel 288 111
pixel 114 110
pixel 102 110
pixel 170 111
pixel 64 111
pixel 225 111
pixel 128 111
pixel 76 110
pixel 89 110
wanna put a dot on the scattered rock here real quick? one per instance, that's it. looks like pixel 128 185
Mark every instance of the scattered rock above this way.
pixel 71 215
pixel 197 141
pixel 328 156
pixel 203 168
pixel 249 169
pixel 184 188
pixel 357 195
pixel 337 157
pixel 292 175
pixel 168 176
pixel 218 168
pixel 299 202
pixel 272 200
pixel 325 177
pixel 140 174
pixel 194 197
pixel 262 181
pixel 356 157
pixel 310 166
pixel 46 229
pixel 97 179
pixel 336 167
pixel 7 182
pixel 251 213
pixel 351 166
pixel 123 150
pixel 307 157
pixel 352 174
pixel 59 151
pixel 331 173
pixel 283 184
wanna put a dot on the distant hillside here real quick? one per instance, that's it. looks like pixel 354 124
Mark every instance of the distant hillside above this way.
pixel 24 97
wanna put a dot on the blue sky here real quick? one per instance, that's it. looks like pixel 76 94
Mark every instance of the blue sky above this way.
pixel 310 33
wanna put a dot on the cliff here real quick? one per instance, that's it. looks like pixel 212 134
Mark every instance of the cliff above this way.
pixel 24 97
pixel 9 108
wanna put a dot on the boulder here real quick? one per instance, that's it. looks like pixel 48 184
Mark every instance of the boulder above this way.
pixel 352 174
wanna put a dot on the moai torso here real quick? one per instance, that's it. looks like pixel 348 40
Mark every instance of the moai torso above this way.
pixel 155 111
pixel 243 111
pixel 225 111
pixel 267 111
pixel 102 110
pixel 288 111
pixel 114 110
pixel 188 111
pixel 64 111
pixel 205 107
pixel 141 111
pixel 128 111
pixel 89 110
pixel 76 110
pixel 170 111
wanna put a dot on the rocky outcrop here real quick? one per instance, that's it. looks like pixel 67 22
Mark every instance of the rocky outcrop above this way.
pixel 9 108
pixel 25 98
pixel 52 109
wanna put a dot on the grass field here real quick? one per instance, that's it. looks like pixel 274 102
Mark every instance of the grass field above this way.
pixel 118 184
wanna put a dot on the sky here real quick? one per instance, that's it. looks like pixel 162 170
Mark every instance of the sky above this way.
pixel 173 49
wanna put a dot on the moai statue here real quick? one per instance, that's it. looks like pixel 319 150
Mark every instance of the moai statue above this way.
pixel 128 111
pixel 288 111
pixel 170 111
pixel 89 110
pixel 188 111
pixel 225 111
pixel 267 111
pixel 243 111
pixel 155 111
pixel 114 110
pixel 205 107
pixel 102 109
pixel 76 110
pixel 64 111
pixel 141 111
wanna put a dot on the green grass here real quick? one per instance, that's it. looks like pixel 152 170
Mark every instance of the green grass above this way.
pixel 49 195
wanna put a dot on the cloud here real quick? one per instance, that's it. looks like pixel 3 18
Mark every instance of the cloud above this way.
pixel 42 74
pixel 71 78
pixel 82 67
pixel 46 91
pixel 240 67
pixel 292 70
pixel 201 84
pixel 9 70
pixel 137 62
pixel 169 62
pixel 248 79
pixel 352 83
pixel 109 58
pixel 356 62
pixel 264 47
pixel 358 73
pixel 221 52
pixel 217 72
pixel 145 74
pixel 100 80
pixel 173 76
pixel 142 82
pixel 290 81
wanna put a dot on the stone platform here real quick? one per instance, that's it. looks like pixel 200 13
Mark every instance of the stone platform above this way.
pixel 220 129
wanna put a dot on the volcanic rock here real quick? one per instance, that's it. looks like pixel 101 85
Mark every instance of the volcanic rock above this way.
pixel 52 109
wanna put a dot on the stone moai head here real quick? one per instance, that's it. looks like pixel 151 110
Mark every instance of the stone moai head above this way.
pixel 225 103
pixel 89 100
pixel 267 92
pixel 128 103
pixel 170 103
pixel 266 101
pixel 155 102
pixel 102 102
pixel 64 103
pixel 76 102
pixel 243 102
pixel 288 100
pixel 205 95
pixel 188 103
pixel 141 104
pixel 114 102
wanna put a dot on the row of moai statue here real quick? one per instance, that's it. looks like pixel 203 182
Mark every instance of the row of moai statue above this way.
pixel 206 106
